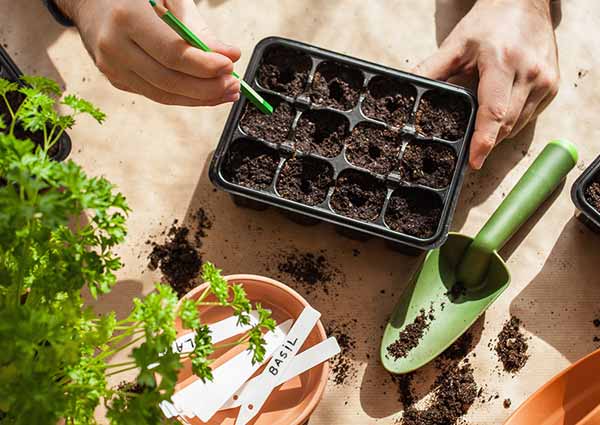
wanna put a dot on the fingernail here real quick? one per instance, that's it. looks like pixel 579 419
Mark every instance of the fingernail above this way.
pixel 478 162
pixel 234 97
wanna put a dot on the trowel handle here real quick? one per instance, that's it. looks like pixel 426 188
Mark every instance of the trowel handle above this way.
pixel 537 184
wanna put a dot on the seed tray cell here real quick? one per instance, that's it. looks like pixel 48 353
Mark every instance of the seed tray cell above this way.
pixel 376 151
pixel 10 71
pixel 586 196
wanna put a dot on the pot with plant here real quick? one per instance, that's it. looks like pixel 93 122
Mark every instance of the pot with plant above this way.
pixel 57 143
pixel 53 362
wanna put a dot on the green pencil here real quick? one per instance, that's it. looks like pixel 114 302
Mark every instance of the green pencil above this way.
pixel 185 33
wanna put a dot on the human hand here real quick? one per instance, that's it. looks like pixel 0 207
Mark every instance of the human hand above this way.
pixel 510 46
pixel 139 53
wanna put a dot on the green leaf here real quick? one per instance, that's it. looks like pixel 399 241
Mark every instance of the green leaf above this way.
pixel 218 285
pixel 83 106
pixel 189 314
pixel 7 87
pixel 42 84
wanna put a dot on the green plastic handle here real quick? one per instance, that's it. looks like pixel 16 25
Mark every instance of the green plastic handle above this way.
pixel 537 184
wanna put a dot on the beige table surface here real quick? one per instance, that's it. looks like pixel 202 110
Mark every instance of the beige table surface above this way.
pixel 158 157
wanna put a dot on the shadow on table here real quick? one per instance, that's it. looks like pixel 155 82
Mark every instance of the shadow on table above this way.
pixel 31 32
pixel 562 300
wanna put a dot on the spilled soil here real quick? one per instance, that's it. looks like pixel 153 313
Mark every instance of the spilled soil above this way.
pixel 312 270
pixel 512 346
pixel 342 365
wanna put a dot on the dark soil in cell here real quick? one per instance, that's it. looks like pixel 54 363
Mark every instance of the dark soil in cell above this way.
pixel 359 196
pixel 389 100
pixel 272 128
pixel 429 164
pixel 284 70
pixel 321 132
pixel 414 212
pixel 442 115
pixel 410 337
pixel 592 195
pixel 375 148
pixel 177 259
pixel 250 164
pixel 336 86
pixel 512 346
pixel 454 394
pixel 305 180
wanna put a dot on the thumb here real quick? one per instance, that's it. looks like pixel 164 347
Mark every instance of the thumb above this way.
pixel 443 64
pixel 187 11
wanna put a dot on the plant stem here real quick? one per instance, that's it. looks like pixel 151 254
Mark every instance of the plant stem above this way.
pixel 116 372
pixel 111 366
pixel 121 348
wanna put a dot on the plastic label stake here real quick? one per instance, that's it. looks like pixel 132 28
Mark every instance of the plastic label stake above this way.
pixel 203 399
pixel 275 369
pixel 304 361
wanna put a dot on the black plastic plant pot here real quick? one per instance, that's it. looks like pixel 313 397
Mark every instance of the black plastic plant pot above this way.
pixel 9 71
pixel 375 151
pixel 586 196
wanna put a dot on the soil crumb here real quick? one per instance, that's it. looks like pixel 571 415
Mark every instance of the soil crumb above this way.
pixel 455 391
pixel 512 346
pixel 410 337
pixel 202 222
pixel 507 403
pixel 178 260
pixel 405 388
pixel 342 365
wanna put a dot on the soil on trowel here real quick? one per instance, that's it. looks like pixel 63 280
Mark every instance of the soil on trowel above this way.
pixel 442 115
pixel 321 132
pixel 250 164
pixel 512 346
pixel 592 195
pixel 428 164
pixel 389 100
pixel 375 148
pixel 410 337
pixel 284 70
pixel 359 196
pixel 178 260
pixel 414 212
pixel 306 180
pixel 455 391
pixel 336 86
pixel 271 128
pixel 342 365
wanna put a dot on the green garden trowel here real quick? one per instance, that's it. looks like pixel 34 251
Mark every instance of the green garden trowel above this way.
pixel 460 280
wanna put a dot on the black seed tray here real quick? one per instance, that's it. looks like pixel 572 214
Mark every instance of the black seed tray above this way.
pixel 580 196
pixel 273 154
pixel 10 71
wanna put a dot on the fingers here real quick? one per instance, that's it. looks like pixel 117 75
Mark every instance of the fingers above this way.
pixel 442 65
pixel 494 93
pixel 166 47
pixel 519 95
pixel 135 84
pixel 539 99
pixel 175 82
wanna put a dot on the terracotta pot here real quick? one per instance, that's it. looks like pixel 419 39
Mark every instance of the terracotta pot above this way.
pixel 570 398
pixel 293 402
